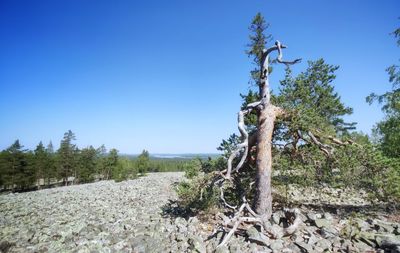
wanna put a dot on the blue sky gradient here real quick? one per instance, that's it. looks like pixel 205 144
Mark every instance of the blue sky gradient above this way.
pixel 166 75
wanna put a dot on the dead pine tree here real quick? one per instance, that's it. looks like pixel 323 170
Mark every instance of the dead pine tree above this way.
pixel 267 113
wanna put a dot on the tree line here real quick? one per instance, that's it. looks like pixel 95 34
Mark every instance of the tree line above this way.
pixel 22 169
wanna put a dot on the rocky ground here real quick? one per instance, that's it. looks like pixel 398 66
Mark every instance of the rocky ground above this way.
pixel 131 216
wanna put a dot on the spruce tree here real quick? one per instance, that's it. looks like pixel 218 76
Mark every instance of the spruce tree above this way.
pixel 66 157
pixel 87 165
pixel 143 162
pixel 111 163
pixel 40 163
pixel 51 168
pixel 18 173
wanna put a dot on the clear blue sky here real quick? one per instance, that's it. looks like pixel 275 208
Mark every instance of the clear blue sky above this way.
pixel 166 75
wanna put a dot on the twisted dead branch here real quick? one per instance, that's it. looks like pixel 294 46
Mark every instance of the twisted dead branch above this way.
pixel 327 149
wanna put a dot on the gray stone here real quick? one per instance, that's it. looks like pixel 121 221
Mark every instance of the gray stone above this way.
pixel 222 249
pixel 336 242
pixel 347 246
pixel 258 237
pixel 362 224
pixel 311 216
pixel 362 247
pixel 324 244
pixel 387 241
pixel 312 240
pixel 197 243
pixel 322 223
pixel 367 237
pixel 328 232
pixel 234 247
pixel 384 227
pixel 276 218
pixel 310 230
pixel 397 230
pixel 307 247
pixel 180 237
pixel 276 245
pixel 125 217
pixel 328 216
pixel 292 248
pixel 277 215
pixel 297 237
pixel 193 220
pixel 253 247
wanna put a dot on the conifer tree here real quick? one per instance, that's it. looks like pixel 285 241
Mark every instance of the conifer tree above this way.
pixel 50 169
pixel 143 162
pixel 87 165
pixel 40 162
pixel 66 157
pixel 18 175
pixel 111 163
pixel 388 130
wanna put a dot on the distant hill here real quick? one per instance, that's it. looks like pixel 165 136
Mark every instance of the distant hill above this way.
pixel 187 156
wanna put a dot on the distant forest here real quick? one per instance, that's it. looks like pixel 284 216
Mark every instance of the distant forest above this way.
pixel 23 170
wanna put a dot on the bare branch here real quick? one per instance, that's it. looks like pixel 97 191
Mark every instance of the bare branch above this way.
pixel 224 201
pixel 328 150
pixel 279 58
pixel 245 140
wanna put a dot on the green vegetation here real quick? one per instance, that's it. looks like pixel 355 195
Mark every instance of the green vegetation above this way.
pixel 22 170
pixel 143 162
pixel 196 193
pixel 313 146
pixel 387 131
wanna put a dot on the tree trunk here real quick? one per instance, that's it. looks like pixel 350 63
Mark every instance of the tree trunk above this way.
pixel 263 198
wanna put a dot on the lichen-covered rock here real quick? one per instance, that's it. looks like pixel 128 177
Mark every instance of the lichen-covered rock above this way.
pixel 255 236
pixel 98 217
pixel 323 223
pixel 276 245
pixel 128 217
pixel 197 243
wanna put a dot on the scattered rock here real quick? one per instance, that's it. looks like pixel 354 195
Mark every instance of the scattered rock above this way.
pixel 5 246
pixel 307 247
pixel 222 249
pixel 197 244
pixel 328 216
pixel 276 245
pixel 324 244
pixel 257 237
pixel 126 217
pixel 387 241
pixel 322 223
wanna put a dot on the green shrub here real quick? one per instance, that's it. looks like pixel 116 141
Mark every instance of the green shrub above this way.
pixel 192 168
pixel 197 194
pixel 124 170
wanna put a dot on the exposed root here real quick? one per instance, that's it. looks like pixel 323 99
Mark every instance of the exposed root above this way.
pixel 292 217
pixel 272 231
